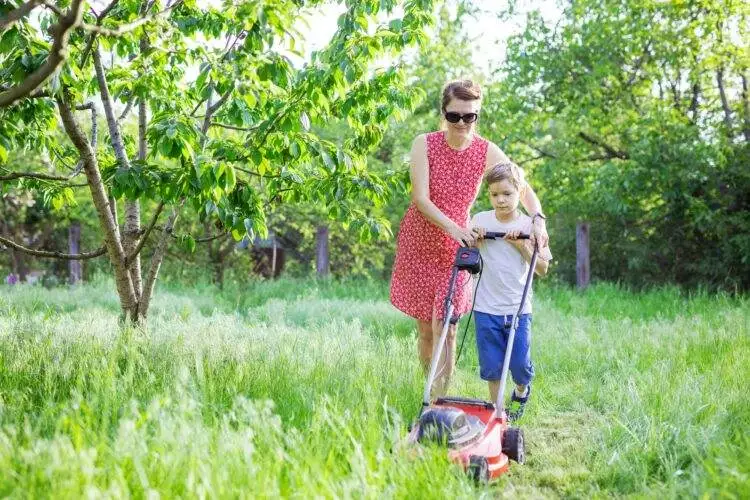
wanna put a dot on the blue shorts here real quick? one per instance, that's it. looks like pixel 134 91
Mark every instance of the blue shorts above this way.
pixel 492 339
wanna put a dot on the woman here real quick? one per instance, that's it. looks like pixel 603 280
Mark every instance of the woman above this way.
pixel 446 172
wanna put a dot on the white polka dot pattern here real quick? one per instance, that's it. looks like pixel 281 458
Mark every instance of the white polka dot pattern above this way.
pixel 424 252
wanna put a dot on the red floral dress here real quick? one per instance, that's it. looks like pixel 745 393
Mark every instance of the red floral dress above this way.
pixel 424 252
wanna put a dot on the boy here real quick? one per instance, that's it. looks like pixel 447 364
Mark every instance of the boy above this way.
pixel 498 296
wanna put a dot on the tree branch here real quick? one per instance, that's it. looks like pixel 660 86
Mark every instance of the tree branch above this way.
pixel 146 234
pixel 156 260
pixel 539 150
pixel 31 175
pixel 233 127
pixel 53 254
pixel 54 8
pixel 34 95
pixel 204 239
pixel 57 55
pixel 256 174
pixel 127 109
pixel 99 18
pixel 211 109
pixel 611 152
pixel 125 28
pixel 17 14
pixel 528 160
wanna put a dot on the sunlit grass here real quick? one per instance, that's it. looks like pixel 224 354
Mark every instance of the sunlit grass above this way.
pixel 305 389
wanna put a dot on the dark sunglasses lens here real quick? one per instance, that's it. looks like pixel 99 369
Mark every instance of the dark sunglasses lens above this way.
pixel 470 117
pixel 452 117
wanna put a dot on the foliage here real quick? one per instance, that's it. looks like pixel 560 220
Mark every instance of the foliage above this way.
pixel 235 138
pixel 367 249
pixel 632 115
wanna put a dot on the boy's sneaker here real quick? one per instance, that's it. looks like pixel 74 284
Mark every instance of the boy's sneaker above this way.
pixel 518 404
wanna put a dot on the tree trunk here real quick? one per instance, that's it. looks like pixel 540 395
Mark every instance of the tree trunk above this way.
pixel 219 274
pixel 321 254
pixel 132 224
pixel 746 108
pixel 74 246
pixel 19 265
pixel 112 240
pixel 583 268
pixel 694 103
pixel 724 101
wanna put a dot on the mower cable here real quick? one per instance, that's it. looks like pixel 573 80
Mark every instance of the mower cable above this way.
pixel 473 302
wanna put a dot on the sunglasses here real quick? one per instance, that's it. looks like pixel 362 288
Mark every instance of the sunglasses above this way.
pixel 454 117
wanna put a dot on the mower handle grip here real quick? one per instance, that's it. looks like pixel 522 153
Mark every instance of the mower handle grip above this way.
pixel 492 235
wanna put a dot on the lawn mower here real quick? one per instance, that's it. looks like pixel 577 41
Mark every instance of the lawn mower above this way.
pixel 477 433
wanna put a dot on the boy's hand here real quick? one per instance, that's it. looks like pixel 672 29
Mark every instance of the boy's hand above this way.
pixel 512 238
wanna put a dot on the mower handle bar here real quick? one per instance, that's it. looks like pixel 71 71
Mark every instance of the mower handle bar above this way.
pixel 492 235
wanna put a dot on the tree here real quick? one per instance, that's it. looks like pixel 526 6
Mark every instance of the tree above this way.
pixel 632 114
pixel 139 55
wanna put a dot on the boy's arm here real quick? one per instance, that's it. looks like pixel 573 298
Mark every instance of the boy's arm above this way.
pixel 542 265
pixel 524 246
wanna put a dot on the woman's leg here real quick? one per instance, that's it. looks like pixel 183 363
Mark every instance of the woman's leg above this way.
pixel 424 343
pixel 447 356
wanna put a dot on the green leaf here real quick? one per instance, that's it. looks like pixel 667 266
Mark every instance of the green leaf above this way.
pixel 305 121
pixel 231 178
pixel 294 149
pixel 263 166
pixel 189 243
pixel 327 161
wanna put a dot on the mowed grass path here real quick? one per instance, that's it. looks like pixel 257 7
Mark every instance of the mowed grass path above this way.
pixel 305 389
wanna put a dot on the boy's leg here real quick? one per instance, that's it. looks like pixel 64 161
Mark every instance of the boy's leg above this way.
pixel 521 367
pixel 490 349
pixel 494 386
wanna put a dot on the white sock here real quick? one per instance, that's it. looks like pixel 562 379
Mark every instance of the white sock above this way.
pixel 525 392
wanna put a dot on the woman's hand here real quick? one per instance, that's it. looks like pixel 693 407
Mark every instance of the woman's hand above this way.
pixel 466 237
pixel 479 233
pixel 539 232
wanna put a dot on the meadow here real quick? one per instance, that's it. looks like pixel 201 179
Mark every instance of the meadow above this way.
pixel 305 389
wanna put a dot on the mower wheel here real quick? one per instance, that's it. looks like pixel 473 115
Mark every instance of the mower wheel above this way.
pixel 513 444
pixel 479 469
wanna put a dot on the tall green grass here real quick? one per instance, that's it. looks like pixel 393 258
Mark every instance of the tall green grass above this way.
pixel 305 389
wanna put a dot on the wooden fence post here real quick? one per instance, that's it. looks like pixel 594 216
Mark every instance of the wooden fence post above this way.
pixel 74 246
pixel 321 254
pixel 583 269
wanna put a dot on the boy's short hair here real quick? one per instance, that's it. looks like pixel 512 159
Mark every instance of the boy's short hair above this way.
pixel 505 171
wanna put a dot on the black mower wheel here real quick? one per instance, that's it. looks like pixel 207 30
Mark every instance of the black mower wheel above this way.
pixel 479 469
pixel 513 444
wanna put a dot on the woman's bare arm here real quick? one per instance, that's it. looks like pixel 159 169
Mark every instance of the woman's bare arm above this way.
pixel 420 193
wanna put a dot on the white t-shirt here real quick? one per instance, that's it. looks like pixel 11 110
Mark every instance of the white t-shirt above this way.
pixel 505 270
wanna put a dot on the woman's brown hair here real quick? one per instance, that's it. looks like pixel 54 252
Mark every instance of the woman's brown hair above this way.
pixel 466 90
